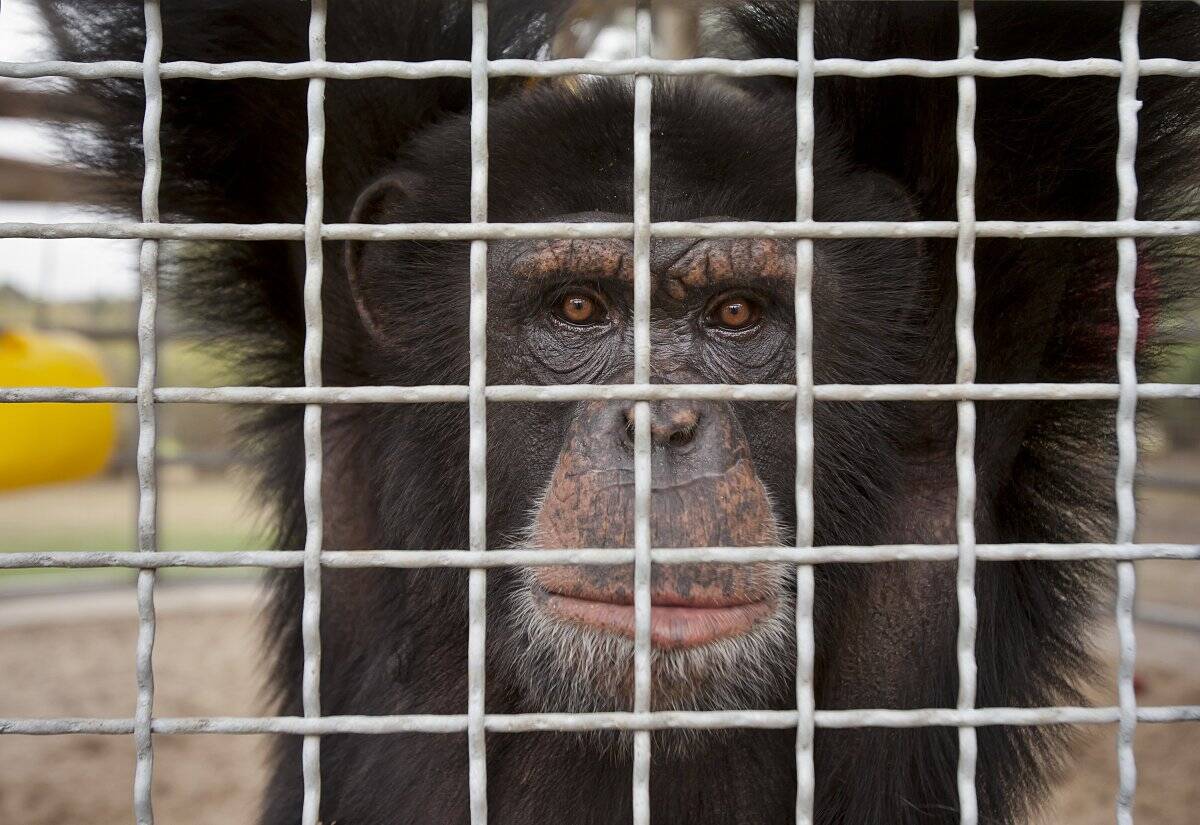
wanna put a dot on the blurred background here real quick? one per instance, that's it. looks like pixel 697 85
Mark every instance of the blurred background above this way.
pixel 68 312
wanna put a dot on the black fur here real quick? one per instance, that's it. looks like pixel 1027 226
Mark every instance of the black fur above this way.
pixel 394 642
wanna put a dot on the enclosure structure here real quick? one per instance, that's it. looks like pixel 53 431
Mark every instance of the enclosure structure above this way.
pixel 1124 229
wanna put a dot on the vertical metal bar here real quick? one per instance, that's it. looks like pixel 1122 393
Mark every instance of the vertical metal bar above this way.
pixel 805 585
pixel 643 85
pixel 964 452
pixel 313 445
pixel 1127 315
pixel 147 519
pixel 477 412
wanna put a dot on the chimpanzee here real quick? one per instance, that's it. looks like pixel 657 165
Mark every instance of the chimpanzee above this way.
pixel 560 311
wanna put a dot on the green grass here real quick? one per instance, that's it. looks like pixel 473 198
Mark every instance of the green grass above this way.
pixel 100 514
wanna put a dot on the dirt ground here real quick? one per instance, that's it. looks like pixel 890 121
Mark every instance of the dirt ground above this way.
pixel 72 655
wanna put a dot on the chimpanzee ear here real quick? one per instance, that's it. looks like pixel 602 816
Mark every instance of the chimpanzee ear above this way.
pixel 376 204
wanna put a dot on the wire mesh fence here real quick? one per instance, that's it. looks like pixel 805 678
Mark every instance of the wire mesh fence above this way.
pixel 966 716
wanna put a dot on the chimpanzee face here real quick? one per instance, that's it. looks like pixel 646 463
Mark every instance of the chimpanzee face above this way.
pixel 561 475
pixel 722 314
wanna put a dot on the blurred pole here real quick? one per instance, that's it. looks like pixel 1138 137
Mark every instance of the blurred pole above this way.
pixel 676 26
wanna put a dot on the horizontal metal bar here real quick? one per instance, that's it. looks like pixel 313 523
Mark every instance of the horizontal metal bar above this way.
pixel 63 725
pixel 828 554
pixel 1021 67
pixel 615 229
pixel 855 718
pixel 725 67
pixel 580 722
pixel 595 392
pixel 997 392
pixel 69 395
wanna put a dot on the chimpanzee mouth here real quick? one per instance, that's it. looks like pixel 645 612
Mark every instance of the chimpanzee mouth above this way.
pixel 674 624
pixel 711 648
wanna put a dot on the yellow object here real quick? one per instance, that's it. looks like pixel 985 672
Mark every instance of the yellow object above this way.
pixel 42 443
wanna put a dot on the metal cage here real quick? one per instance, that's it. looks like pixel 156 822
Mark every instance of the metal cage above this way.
pixel 966 716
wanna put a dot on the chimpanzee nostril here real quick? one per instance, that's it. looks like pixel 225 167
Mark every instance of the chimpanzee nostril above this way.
pixel 678 429
pixel 672 424
pixel 681 437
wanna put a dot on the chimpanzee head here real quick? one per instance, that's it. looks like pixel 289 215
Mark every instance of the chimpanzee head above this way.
pixel 561 311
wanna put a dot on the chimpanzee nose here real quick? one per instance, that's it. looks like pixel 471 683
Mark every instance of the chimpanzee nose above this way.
pixel 673 424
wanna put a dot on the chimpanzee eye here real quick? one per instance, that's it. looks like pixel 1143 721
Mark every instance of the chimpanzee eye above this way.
pixel 580 308
pixel 734 312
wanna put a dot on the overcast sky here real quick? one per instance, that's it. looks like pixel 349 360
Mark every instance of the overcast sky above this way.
pixel 58 270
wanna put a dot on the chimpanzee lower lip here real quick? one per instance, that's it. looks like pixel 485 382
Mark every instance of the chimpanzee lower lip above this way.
pixel 671 626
